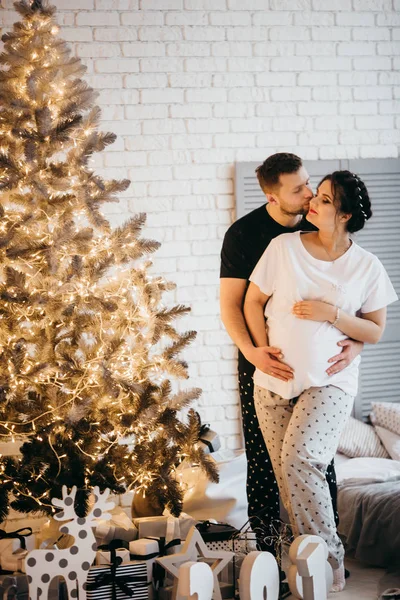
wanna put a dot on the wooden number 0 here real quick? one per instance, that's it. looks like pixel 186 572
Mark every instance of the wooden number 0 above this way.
pixel 259 577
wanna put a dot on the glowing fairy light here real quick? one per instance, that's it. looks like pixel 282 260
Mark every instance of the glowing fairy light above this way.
pixel 88 381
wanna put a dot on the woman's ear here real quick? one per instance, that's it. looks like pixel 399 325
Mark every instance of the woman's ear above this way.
pixel 344 217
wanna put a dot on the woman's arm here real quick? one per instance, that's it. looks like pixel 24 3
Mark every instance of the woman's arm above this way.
pixel 367 328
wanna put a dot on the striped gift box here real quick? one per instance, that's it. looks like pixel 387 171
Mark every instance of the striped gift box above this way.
pixel 133 575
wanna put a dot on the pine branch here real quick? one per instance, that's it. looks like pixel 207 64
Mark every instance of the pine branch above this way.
pixel 28 9
pixel 15 279
pixel 174 349
pixel 62 132
pixel 184 398
pixel 43 121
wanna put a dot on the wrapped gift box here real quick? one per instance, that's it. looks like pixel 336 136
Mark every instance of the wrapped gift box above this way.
pixel 103 557
pixel 14 546
pixel 14 561
pixel 221 536
pixel 217 534
pixel 120 527
pixel 209 440
pixel 165 526
pixel 146 550
pixel 128 580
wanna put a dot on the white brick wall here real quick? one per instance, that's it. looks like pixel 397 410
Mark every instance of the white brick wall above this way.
pixel 191 86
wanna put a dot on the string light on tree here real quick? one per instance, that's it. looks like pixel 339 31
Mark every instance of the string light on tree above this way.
pixel 87 349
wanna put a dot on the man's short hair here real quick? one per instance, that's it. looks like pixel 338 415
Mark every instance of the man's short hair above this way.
pixel 268 173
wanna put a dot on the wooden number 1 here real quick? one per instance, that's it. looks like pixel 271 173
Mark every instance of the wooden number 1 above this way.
pixel 310 575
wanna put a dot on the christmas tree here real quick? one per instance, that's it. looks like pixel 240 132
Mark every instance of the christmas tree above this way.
pixel 87 348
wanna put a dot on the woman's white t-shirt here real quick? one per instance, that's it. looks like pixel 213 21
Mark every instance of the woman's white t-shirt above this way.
pixel 288 273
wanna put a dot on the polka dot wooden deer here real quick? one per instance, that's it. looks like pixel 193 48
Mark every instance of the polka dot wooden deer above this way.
pixel 72 563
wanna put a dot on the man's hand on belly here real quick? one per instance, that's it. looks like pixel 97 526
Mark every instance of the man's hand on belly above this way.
pixel 351 349
pixel 267 360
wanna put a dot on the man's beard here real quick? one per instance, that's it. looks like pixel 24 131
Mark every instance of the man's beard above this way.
pixel 290 212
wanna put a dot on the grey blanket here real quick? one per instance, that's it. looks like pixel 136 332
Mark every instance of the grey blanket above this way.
pixel 370 522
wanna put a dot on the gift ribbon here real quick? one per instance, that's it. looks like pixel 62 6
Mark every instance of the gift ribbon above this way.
pixel 204 428
pixel 162 546
pixel 17 535
pixel 113 545
pixel 206 530
pixel 158 570
pixel 207 443
pixel 144 556
pixel 158 575
pixel 103 579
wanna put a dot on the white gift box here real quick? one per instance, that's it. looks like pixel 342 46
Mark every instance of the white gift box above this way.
pixel 139 585
pixel 12 555
pixel 103 557
pixel 144 547
pixel 165 526
pixel 13 544
pixel 147 551
pixel 14 561
pixel 120 527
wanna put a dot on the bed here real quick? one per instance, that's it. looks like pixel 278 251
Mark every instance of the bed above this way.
pixel 368 478
pixel 369 508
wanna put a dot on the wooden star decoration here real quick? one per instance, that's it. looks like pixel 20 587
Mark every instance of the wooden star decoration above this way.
pixel 194 547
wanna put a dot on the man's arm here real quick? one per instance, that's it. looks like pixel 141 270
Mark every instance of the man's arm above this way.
pixel 232 293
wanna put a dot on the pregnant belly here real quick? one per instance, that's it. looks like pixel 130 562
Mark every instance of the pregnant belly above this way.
pixel 306 345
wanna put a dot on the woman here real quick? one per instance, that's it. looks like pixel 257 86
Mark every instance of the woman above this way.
pixel 312 286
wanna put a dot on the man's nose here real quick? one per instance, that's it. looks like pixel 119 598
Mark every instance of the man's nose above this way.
pixel 309 193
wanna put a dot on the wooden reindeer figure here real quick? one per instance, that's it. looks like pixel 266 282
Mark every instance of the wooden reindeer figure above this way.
pixel 71 563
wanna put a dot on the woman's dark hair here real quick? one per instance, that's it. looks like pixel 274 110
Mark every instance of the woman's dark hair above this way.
pixel 350 196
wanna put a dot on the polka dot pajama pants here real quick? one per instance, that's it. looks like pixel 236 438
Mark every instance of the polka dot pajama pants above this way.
pixel 302 436
pixel 262 488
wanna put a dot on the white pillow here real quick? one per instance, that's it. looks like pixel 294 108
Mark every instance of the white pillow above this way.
pixel 359 439
pixel 390 440
pixel 367 470
pixel 340 459
pixel 387 415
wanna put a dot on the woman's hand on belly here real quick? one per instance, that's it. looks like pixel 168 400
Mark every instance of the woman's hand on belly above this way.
pixel 314 310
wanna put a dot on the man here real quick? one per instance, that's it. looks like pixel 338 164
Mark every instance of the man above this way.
pixel 285 183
